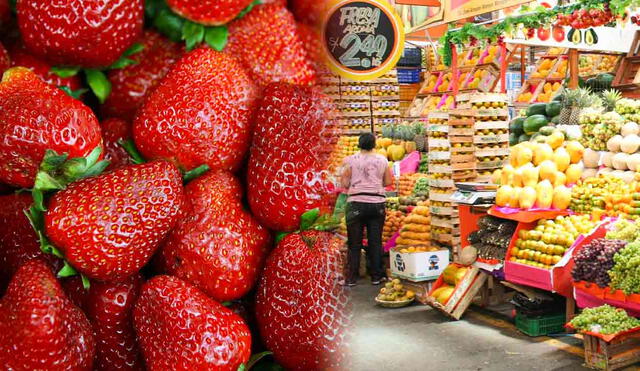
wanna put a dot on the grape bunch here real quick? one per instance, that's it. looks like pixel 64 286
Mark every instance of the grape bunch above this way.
pixel 625 274
pixel 594 260
pixel 624 230
pixel 604 320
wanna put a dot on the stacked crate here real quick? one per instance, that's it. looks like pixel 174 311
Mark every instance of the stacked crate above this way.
pixel 355 107
pixel 491 137
pixel 451 159
pixel 385 100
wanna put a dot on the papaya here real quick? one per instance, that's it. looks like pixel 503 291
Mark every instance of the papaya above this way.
pixel 575 150
pixel 542 153
pixel 530 176
pixel 445 295
pixel 547 170
pixel 503 195
pixel 562 159
pixel 516 126
pixel 573 173
pixel 449 274
pixel 553 109
pixel 524 156
pixel 523 138
pixel 527 197
pixel 561 197
pixel 537 109
pixel 544 192
pixel 514 197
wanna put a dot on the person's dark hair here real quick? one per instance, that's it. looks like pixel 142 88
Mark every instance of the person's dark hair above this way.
pixel 367 141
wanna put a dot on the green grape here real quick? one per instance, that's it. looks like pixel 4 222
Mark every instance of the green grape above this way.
pixel 605 320
pixel 624 230
pixel 625 274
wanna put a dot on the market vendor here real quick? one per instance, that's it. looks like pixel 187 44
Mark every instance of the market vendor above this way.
pixel 365 175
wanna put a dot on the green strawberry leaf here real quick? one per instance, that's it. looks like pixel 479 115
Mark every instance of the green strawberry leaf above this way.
pixel 96 169
pixel 77 94
pixel 308 218
pixel 133 49
pixel 85 282
pixel 169 24
pixel 280 236
pixel 226 303
pixel 67 270
pixel 131 149
pixel 192 174
pixel 193 34
pixel 153 7
pixel 45 182
pixel 65 72
pixel 216 37
pixel 52 161
pixel 122 63
pixel 99 84
pixel 255 358
pixel 248 8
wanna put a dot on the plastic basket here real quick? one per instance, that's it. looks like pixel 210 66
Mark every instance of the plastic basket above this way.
pixel 411 57
pixel 409 75
pixel 539 326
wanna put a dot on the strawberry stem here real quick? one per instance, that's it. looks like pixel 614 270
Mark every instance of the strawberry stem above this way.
pixel 192 174
pixel 131 149
pixel 255 358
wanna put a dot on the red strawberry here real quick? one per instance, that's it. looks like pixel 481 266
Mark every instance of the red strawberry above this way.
pixel 309 11
pixel 218 247
pixel 131 84
pixel 109 226
pixel 40 328
pixel 114 130
pixel 4 58
pixel 284 59
pixel 18 241
pixel 209 12
pixel 312 45
pixel 304 328
pixel 20 57
pixel 5 11
pixel 180 328
pixel 86 33
pixel 201 113
pixel 292 141
pixel 110 309
pixel 34 117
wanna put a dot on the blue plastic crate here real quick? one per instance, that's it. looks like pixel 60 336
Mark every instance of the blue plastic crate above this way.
pixel 411 57
pixel 409 75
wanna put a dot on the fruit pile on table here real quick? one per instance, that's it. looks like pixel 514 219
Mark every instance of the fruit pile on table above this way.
pixel 150 157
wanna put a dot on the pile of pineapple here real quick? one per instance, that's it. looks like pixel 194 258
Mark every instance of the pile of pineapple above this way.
pixel 574 101
pixel 600 122
pixel 399 140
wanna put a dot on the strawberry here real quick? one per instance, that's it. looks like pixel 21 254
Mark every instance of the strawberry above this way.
pixel 209 12
pixel 109 307
pixel 40 328
pixel 5 11
pixel 284 60
pixel 313 46
pixel 201 113
pixel 4 59
pixel 292 141
pixel 129 85
pixel 34 117
pixel 114 130
pixel 181 328
pixel 218 247
pixel 109 226
pixel 85 33
pixel 21 57
pixel 18 241
pixel 304 328
pixel 309 12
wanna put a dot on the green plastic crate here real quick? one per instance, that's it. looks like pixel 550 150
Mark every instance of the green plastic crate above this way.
pixel 539 326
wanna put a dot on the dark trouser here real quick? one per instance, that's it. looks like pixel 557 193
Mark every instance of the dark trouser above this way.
pixel 360 215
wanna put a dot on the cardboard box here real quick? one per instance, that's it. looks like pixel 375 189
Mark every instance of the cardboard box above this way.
pixel 418 266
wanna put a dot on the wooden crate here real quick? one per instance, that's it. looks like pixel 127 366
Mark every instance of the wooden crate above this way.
pixel 614 355
pixel 421 289
pixel 628 71
pixel 464 293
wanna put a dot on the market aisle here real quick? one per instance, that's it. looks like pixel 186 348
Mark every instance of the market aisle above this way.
pixel 419 338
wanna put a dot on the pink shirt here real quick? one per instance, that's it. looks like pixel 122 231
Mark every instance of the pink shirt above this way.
pixel 367 176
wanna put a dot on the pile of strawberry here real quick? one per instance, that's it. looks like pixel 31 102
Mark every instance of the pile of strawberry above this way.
pixel 161 200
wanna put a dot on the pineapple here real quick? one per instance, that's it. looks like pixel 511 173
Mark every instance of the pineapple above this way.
pixel 583 99
pixel 418 129
pixel 610 99
pixel 569 97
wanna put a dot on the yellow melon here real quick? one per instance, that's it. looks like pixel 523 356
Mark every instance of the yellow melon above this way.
pixel 503 195
pixel 524 156
pixel 547 170
pixel 530 176
pixel 544 191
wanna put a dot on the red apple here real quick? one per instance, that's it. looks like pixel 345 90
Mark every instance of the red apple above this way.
pixel 543 34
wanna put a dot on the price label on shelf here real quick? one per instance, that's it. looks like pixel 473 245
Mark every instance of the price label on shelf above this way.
pixel 362 39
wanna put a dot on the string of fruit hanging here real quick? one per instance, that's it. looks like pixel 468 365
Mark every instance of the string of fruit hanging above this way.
pixel 583 14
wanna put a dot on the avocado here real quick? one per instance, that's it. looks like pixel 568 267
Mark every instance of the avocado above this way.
pixel 590 37
pixel 537 109
pixel 575 36
pixel 515 126
pixel 553 109
pixel 533 123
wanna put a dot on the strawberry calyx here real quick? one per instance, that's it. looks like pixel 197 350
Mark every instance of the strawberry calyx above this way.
pixel 312 220
pixel 96 78
pixel 56 173
pixel 137 159
pixel 178 28
pixel 253 360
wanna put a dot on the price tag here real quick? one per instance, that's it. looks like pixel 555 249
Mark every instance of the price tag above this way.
pixel 363 39
pixel 396 169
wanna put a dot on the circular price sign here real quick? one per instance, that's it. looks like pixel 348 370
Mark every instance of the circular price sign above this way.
pixel 363 39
